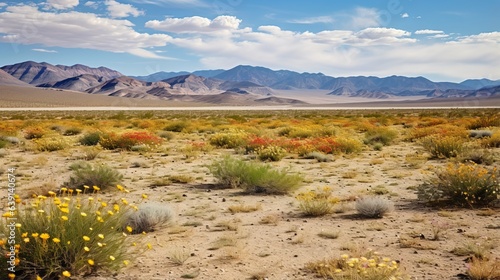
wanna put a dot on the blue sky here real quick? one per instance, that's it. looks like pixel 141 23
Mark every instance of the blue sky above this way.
pixel 449 40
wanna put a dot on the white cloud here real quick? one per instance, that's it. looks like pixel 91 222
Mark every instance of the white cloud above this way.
pixel 44 50
pixel 119 10
pixel 489 38
pixel 2 4
pixel 195 24
pixel 313 20
pixel 91 4
pixel 439 36
pixel 28 25
pixel 405 15
pixel 363 18
pixel 428 32
pixel 62 4
pixel 166 3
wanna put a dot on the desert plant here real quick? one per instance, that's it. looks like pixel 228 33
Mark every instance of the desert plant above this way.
pixel 243 208
pixel 150 217
pixel 90 139
pixel 101 175
pixel 50 144
pixel 493 141
pixel 34 132
pixel 177 126
pixel 67 236
pixel 383 135
pixel 473 249
pixel 129 140
pixel 317 202
pixel 373 206
pixel 254 177
pixel 357 268
pixel 319 156
pixel 480 269
pixel 480 133
pixel 271 153
pixel 443 147
pixel 476 155
pixel 462 184
pixel 229 139
pixel 72 131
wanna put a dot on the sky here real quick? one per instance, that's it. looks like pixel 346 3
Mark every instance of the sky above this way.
pixel 446 40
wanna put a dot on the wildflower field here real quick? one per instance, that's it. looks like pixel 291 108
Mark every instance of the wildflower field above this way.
pixel 367 194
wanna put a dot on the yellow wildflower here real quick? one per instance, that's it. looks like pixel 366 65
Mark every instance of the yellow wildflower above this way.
pixel 56 240
pixel 91 262
pixel 86 238
pixel 66 273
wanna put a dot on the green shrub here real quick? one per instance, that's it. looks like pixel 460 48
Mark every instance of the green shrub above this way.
pixel 462 185
pixel 150 217
pixel 382 135
pixel 90 139
pixel 229 139
pixel 476 155
pixel 3 143
pixel 101 175
pixel 373 206
pixel 254 177
pixel 443 147
pixel 70 235
pixel 271 153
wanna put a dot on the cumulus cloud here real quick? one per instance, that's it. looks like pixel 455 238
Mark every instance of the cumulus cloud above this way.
pixel 488 38
pixel 405 15
pixel 363 18
pixel 164 3
pixel 119 10
pixel 27 25
pixel 2 4
pixel 195 24
pixel 44 50
pixel 428 32
pixel 62 4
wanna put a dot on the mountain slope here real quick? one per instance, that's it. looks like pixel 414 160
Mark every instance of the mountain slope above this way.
pixel 8 80
pixel 480 83
pixel 77 83
pixel 130 87
pixel 40 73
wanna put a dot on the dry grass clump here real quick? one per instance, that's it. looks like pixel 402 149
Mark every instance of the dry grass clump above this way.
pixel 50 144
pixel 373 206
pixel 242 208
pixel 481 269
pixel 443 147
pixel 317 202
pixel 356 268
pixel 319 156
pixel 473 249
pixel 150 217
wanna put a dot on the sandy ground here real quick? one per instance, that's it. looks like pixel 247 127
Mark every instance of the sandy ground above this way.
pixel 281 249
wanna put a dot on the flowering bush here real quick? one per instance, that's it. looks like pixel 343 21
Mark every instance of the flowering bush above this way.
pixel 317 202
pixel 443 147
pixel 64 235
pixel 356 268
pixel 229 139
pixel 272 153
pixel 462 184
pixel 128 140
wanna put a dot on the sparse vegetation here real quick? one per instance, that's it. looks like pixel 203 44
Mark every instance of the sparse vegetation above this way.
pixel 150 217
pixel 101 175
pixel 373 206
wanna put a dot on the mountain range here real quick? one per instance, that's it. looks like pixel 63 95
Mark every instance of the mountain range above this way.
pixel 239 85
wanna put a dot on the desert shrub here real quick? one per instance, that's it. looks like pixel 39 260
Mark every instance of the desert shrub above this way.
pixel 319 156
pixel 480 269
pixel 318 202
pixel 150 217
pixel 254 177
pixel 493 141
pixel 229 139
pixel 34 132
pixel 480 133
pixel 128 140
pixel 349 145
pixel 473 249
pixel 90 139
pixel 461 184
pixel 90 153
pixel 485 121
pixel 271 153
pixel 168 135
pixel 3 143
pixel 100 175
pixel 177 126
pixel 373 206
pixel 443 147
pixel 67 235
pixel 50 144
pixel 72 131
pixel 441 130
pixel 356 268
pixel 476 155
pixel 10 140
pixel 383 135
